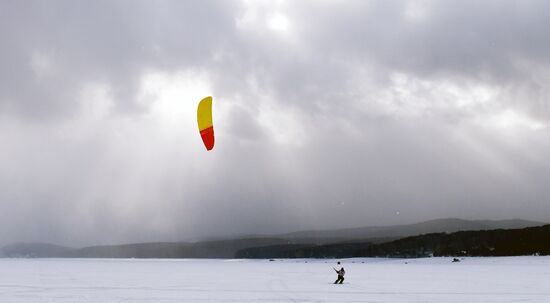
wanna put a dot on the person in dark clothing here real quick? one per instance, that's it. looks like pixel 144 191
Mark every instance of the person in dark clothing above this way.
pixel 341 274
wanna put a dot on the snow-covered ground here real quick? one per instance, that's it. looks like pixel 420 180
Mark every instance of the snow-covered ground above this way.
pixel 510 279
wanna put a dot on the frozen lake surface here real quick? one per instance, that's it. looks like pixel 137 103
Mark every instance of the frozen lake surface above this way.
pixel 507 279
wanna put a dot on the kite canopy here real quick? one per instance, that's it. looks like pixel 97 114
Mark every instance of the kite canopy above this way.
pixel 204 119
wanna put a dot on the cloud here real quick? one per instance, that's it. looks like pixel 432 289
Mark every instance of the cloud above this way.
pixel 327 114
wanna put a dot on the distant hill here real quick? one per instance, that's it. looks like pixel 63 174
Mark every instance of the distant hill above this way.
pixel 305 243
pixel 398 231
pixel 33 250
pixel 209 249
pixel 499 242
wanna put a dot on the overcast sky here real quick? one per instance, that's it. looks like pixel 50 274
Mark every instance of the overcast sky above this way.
pixel 326 114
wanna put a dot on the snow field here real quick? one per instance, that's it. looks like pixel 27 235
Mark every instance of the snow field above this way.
pixel 508 279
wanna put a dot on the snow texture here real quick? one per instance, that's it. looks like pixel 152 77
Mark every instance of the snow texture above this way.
pixel 507 279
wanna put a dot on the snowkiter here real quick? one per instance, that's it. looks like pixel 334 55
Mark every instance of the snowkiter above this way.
pixel 341 274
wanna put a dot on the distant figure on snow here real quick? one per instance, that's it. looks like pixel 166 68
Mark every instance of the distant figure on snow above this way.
pixel 340 273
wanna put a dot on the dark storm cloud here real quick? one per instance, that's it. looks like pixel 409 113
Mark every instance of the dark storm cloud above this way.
pixel 328 114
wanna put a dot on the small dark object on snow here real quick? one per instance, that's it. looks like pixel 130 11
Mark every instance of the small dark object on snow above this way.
pixel 456 260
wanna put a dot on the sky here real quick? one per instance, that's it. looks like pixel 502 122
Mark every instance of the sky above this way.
pixel 327 114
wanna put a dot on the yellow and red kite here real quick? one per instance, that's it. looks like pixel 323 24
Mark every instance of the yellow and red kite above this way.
pixel 204 119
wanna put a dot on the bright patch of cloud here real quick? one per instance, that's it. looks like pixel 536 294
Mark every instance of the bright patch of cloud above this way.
pixel 510 119
pixel 278 22
pixel 410 96
pixel 173 98
pixel 258 15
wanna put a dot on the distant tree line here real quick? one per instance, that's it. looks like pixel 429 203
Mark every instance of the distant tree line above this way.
pixel 499 242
